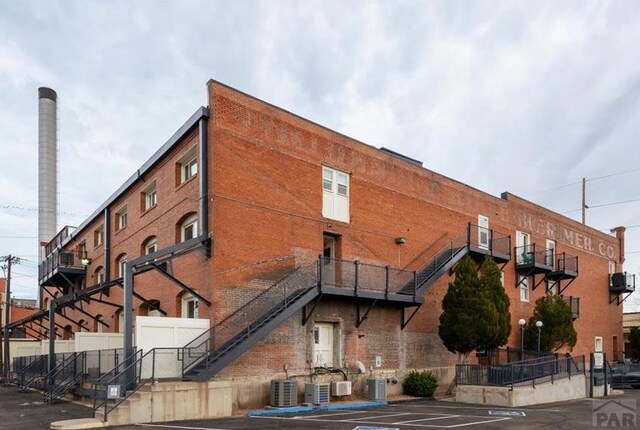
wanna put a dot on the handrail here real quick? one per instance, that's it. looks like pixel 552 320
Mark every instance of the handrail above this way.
pixel 137 366
pixel 114 374
pixel 194 351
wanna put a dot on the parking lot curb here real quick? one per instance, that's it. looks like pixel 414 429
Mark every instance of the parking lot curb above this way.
pixel 314 408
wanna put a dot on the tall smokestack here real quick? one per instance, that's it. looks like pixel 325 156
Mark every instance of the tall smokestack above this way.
pixel 47 166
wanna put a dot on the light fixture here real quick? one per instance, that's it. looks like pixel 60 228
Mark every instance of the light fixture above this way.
pixel 400 240
pixel 522 322
pixel 85 261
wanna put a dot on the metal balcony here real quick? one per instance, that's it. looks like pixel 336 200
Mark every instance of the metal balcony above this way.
pixel 622 283
pixel 484 241
pixel 533 259
pixel 61 269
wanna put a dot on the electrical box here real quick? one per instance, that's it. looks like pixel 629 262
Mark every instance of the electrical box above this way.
pixel 316 393
pixel 341 388
pixel 377 389
pixel 284 393
pixel 378 361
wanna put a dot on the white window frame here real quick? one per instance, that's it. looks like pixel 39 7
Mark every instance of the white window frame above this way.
pixel 151 245
pixel 100 276
pixel 523 239
pixel 335 194
pixel 98 235
pixel 612 267
pixel 597 344
pixel 188 164
pixel 186 300
pixel 550 256
pixel 150 197
pixel 99 326
pixel 524 288
pixel 120 263
pixel 191 221
pixel 121 218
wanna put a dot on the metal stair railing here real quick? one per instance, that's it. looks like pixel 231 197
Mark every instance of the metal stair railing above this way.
pixel 109 377
pixel 244 335
pixel 198 349
pixel 37 370
pixel 441 258
pixel 64 377
pixel 146 368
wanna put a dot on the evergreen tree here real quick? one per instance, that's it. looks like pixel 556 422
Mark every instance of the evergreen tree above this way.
pixel 469 318
pixel 491 284
pixel 634 341
pixel 557 330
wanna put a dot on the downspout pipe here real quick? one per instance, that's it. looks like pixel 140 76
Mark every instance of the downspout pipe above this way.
pixel 107 245
pixel 203 181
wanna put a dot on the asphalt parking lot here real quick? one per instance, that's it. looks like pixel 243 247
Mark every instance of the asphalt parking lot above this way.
pixel 27 411
pixel 430 414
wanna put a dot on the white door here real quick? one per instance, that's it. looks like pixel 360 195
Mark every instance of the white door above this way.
pixel 323 345
pixel 483 232
pixel 328 261
pixel 551 252
pixel 522 247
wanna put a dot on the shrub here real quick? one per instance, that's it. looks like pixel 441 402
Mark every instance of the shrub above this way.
pixel 420 384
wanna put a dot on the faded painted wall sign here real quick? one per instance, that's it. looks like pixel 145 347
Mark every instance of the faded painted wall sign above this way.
pixel 563 234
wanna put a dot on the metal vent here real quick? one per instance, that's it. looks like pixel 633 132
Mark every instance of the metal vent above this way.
pixel 341 388
pixel 377 389
pixel 284 393
pixel 316 393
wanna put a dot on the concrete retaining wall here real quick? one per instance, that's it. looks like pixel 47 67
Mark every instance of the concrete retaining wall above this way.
pixel 564 389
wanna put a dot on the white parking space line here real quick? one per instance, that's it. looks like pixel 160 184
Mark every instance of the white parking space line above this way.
pixel 426 419
pixel 477 422
pixel 167 426
pixel 334 414
pixel 375 417
pixel 480 408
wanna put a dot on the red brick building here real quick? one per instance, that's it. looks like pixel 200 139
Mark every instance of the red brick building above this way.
pixel 280 192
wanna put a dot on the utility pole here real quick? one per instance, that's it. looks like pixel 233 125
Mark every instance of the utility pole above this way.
pixel 9 259
pixel 584 199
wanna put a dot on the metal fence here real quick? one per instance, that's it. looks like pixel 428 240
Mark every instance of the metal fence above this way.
pixel 521 373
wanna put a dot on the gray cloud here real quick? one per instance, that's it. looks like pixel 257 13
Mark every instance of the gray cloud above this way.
pixel 518 96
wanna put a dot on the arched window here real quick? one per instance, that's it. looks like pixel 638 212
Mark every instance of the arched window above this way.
pixel 150 309
pixel 149 245
pixel 45 303
pixel 67 333
pixel 120 262
pixel 82 326
pixel 187 228
pixel 97 327
pixel 98 275
pixel 189 306
pixel 119 321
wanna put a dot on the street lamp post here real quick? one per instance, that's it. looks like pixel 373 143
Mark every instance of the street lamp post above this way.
pixel 521 322
pixel 539 325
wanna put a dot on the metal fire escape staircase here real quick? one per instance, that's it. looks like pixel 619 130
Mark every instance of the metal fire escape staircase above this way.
pixel 215 349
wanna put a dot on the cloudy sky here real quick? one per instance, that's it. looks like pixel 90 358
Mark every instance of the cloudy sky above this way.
pixel 526 97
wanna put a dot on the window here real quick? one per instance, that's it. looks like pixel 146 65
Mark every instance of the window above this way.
pixel 551 250
pixel 552 287
pixel 189 228
pixel 150 245
pixel 149 197
pixel 97 324
pixel 612 267
pixel 121 218
pixel 190 307
pixel 598 344
pixel 98 236
pixel 99 275
pixel 524 288
pixel 82 326
pixel 187 166
pixel 523 255
pixel 82 250
pixel 335 194
pixel 502 278
pixel 120 262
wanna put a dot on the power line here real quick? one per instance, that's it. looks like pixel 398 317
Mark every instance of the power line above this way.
pixel 597 178
pixel 28 209
pixel 604 205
